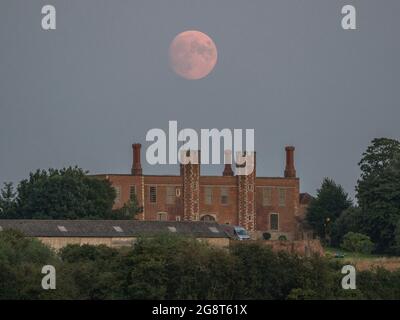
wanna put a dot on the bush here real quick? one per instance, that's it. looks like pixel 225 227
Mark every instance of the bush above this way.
pixel 357 242
pixel 282 238
pixel 396 247
pixel 349 221
pixel 266 236
pixel 173 267
pixel 21 262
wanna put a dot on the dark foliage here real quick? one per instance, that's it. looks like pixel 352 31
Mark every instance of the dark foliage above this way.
pixel 172 267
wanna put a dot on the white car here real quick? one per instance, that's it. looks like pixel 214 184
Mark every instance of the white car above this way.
pixel 241 233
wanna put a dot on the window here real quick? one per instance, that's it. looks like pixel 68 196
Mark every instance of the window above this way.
pixel 282 197
pixel 207 218
pixel 171 195
pixel 162 216
pixel 224 196
pixel 153 194
pixel 208 195
pixel 117 194
pixel 213 229
pixel 274 221
pixel 132 192
pixel 267 196
pixel 62 228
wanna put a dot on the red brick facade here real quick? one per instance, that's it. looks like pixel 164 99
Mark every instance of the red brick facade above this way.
pixel 268 204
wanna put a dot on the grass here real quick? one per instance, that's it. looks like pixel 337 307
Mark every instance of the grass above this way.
pixel 329 251
pixel 364 261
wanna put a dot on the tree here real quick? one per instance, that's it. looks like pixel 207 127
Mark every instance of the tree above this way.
pixel 330 202
pixel 396 247
pixel 357 242
pixel 128 211
pixel 377 157
pixel 175 267
pixel 64 194
pixel 351 219
pixel 378 191
pixel 21 263
pixel 21 260
pixel 94 270
pixel 7 201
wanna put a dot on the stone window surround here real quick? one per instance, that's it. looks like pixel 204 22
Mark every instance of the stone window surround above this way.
pixel 269 221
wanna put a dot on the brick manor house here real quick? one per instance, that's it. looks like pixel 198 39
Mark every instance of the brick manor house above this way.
pixel 263 204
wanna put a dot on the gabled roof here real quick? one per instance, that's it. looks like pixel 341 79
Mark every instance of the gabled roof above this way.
pixel 116 228
pixel 305 198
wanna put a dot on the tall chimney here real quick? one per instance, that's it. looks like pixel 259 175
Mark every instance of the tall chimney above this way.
pixel 136 165
pixel 290 171
pixel 228 172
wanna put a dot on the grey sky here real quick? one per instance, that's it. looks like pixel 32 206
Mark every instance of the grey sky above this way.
pixel 83 93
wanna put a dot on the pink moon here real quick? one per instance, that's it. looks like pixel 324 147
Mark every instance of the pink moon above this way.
pixel 192 55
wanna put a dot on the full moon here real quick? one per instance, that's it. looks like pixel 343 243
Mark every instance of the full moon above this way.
pixel 192 54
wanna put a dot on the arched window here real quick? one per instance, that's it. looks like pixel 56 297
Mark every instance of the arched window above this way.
pixel 207 218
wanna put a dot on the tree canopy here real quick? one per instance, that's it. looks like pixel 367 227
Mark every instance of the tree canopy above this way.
pixel 8 201
pixel 68 193
pixel 174 267
pixel 327 206
pixel 351 220
pixel 378 192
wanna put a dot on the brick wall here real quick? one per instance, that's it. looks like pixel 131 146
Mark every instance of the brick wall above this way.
pixel 300 247
pixel 59 242
pixel 245 205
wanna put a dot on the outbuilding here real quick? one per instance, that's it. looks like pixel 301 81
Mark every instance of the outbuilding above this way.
pixel 116 233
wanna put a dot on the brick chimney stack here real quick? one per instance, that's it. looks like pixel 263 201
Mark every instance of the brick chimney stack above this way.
pixel 190 173
pixel 136 165
pixel 290 171
pixel 228 172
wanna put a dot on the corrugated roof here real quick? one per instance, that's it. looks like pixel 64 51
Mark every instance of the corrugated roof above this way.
pixel 115 228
